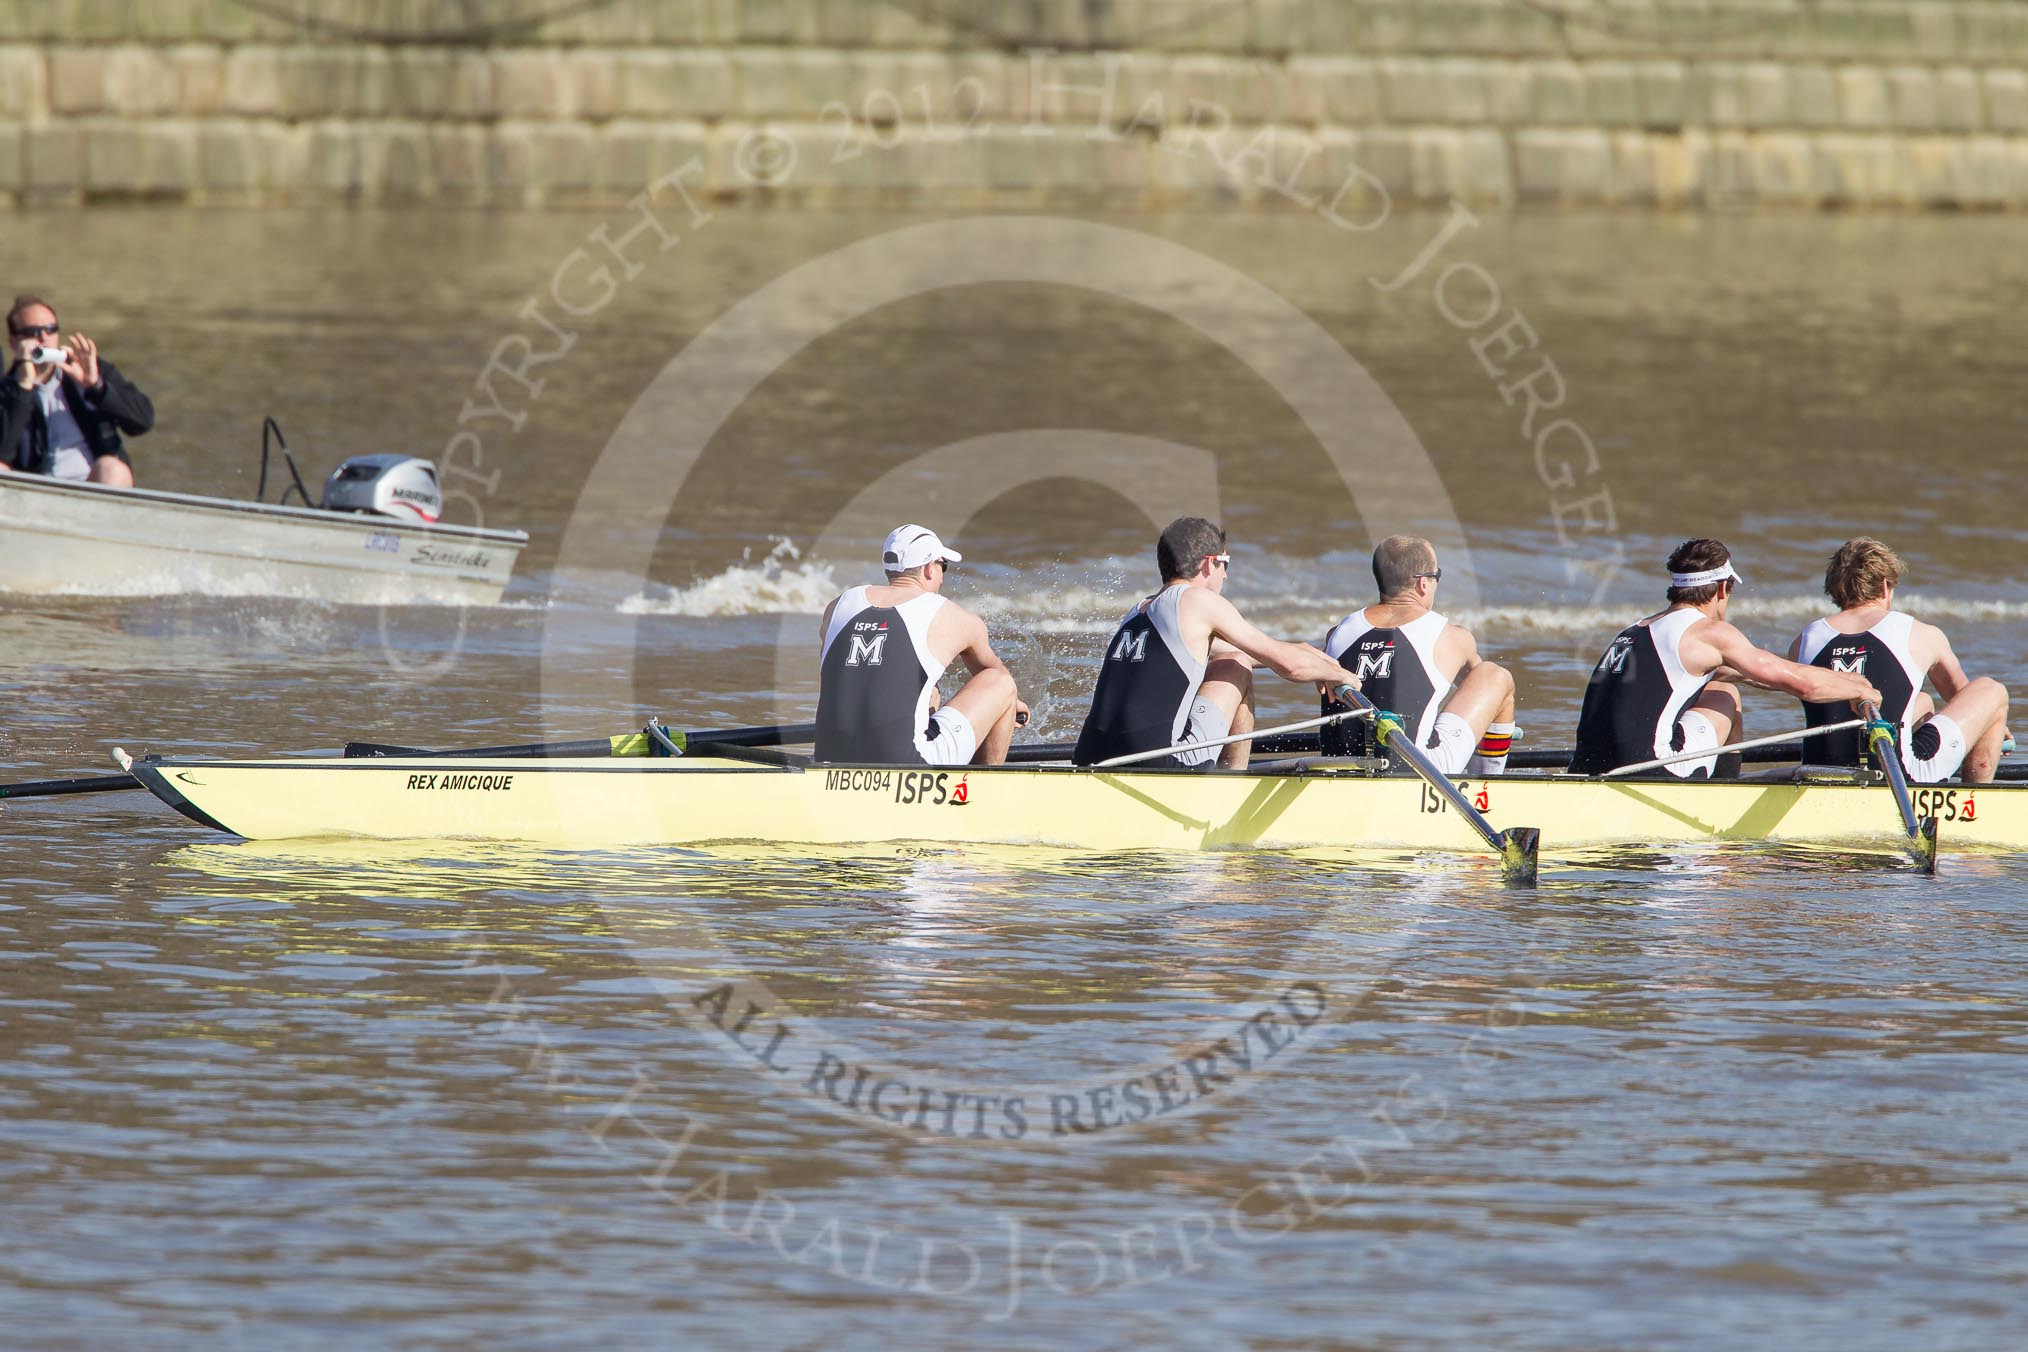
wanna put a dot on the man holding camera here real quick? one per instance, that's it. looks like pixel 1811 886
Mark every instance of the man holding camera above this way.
pixel 62 408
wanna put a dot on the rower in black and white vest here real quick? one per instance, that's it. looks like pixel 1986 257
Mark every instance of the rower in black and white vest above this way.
pixel 1897 652
pixel 885 646
pixel 1180 666
pixel 1412 661
pixel 1666 683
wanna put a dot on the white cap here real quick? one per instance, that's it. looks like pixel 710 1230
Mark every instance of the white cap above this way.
pixel 913 546
pixel 1722 573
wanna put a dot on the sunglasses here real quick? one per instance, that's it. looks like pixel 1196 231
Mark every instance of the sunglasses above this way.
pixel 1222 560
pixel 37 331
pixel 1437 576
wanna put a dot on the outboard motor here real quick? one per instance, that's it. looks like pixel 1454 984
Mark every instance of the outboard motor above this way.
pixel 385 485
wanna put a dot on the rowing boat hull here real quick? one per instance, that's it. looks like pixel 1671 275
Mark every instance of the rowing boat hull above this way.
pixel 59 538
pixel 635 801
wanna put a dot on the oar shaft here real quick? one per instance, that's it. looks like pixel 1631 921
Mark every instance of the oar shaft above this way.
pixel 624 744
pixel 1139 756
pixel 51 788
pixel 1768 740
pixel 1921 831
pixel 1403 747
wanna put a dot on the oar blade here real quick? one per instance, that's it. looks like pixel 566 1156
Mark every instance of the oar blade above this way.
pixel 1520 851
pixel 1922 845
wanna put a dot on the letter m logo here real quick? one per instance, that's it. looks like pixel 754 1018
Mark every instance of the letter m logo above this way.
pixel 865 652
pixel 1855 663
pixel 1131 647
pixel 1375 664
pixel 1615 659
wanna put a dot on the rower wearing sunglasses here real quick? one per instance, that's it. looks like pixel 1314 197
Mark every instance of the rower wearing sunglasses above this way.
pixel 62 406
pixel 1179 669
pixel 884 648
pixel 1412 661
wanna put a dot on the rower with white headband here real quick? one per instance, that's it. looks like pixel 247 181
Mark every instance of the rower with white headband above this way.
pixel 1666 684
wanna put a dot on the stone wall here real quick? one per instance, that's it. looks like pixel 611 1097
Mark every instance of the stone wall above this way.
pixel 1918 103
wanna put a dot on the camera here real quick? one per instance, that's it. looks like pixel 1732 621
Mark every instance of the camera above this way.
pixel 48 356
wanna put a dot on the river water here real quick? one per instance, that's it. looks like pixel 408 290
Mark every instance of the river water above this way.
pixel 424 1095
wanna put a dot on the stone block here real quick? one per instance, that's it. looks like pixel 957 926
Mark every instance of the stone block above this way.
pixel 1994 32
pixel 2005 99
pixel 77 80
pixel 24 84
pixel 148 159
pixel 982 88
pixel 784 22
pixel 199 72
pixel 565 160
pixel 408 169
pixel 1248 90
pixel 662 83
pixel 1383 28
pixel 1785 170
pixel 708 23
pixel 1911 98
pixel 1351 198
pixel 1282 28
pixel 1862 97
pixel 1614 93
pixel 282 158
pixel 459 162
pixel 1989 175
pixel 1409 90
pixel 1188 28
pixel 1958 100
pixel 783 83
pixel 1933 32
pixel 1857 170
pixel 1764 86
pixel 532 83
pixel 13 171
pixel 1343 90
pixel 633 155
pixel 1659 89
pixel 53 158
pixel 510 166
pixel 1559 94
pixel 908 26
pixel 139 82
pixel 1563 166
pixel 1634 171
pixel 253 82
pixel 228 163
pixel 336 166
pixel 1635 28
pixel 1932 170
pixel 1682 167
pixel 1813 95
pixel 1510 92
pixel 1732 169
pixel 1725 94
pixel 594 83
pixel 332 81
pixel 430 83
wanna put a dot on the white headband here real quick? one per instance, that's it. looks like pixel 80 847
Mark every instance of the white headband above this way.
pixel 1721 573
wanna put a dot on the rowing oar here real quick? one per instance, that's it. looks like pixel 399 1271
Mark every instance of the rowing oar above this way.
pixel 1768 740
pixel 50 788
pixel 1517 846
pixel 1921 831
pixel 625 744
pixel 1343 715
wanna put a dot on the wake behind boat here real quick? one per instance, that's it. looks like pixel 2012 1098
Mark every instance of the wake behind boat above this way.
pixel 61 537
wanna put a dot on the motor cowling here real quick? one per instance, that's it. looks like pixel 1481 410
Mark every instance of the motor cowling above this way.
pixel 385 485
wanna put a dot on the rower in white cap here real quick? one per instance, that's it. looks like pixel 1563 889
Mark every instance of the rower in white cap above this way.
pixel 1666 684
pixel 885 646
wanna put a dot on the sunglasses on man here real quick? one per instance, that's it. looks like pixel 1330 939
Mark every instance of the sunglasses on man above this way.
pixel 36 330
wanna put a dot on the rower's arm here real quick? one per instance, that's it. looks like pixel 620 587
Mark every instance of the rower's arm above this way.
pixel 976 651
pixel 1944 672
pixel 824 621
pixel 1758 666
pixel 1290 661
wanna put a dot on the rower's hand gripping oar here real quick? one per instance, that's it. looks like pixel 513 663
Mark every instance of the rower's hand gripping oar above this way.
pixel 1921 831
pixel 1517 846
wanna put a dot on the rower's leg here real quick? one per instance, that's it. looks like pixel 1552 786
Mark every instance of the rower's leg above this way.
pixel 1980 709
pixel 1235 757
pixel 1485 701
pixel 112 471
pixel 987 700
pixel 1719 703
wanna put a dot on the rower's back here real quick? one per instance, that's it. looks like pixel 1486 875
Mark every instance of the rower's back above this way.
pixel 877 677
pixel 1638 690
pixel 1146 684
pixel 1884 654
pixel 1398 671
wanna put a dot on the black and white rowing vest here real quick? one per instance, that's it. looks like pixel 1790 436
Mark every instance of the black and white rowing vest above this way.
pixel 1883 656
pixel 1637 692
pixel 1146 685
pixel 877 676
pixel 1397 670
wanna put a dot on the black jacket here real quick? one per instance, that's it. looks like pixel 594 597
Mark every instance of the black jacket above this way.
pixel 117 407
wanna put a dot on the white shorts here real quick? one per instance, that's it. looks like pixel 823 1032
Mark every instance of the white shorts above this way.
pixel 1207 722
pixel 1941 764
pixel 1699 734
pixel 1451 744
pixel 951 741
